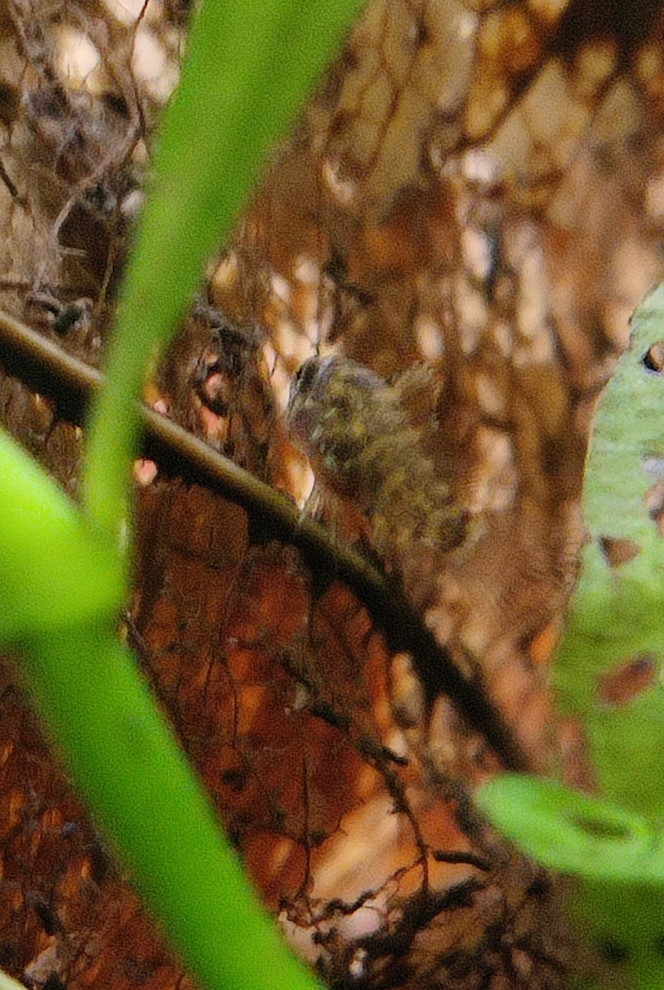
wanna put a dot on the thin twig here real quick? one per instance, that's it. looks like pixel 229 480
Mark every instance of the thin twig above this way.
pixel 42 363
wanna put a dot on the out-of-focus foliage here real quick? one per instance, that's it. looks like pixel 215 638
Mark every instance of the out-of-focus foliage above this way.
pixel 89 691
pixel 615 632
pixel 476 188
pixel 6 983
pixel 608 673
pixel 54 569
pixel 221 123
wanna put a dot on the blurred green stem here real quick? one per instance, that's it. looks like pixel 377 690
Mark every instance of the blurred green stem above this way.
pixel 127 763
pixel 248 70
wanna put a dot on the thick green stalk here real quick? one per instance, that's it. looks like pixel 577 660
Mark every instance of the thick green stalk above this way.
pixel 248 70
pixel 146 797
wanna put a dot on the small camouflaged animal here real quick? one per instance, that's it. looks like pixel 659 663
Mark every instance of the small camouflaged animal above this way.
pixel 363 447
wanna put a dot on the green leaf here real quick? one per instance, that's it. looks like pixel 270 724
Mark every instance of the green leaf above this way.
pixel 54 569
pixel 617 613
pixel 6 982
pixel 248 70
pixel 618 854
pixel 575 833
pixel 128 765
pixel 616 619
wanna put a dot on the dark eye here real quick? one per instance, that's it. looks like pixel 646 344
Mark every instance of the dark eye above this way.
pixel 306 375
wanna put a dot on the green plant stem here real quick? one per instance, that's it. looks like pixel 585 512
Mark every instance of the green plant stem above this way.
pixel 6 983
pixel 127 763
pixel 53 568
pixel 247 72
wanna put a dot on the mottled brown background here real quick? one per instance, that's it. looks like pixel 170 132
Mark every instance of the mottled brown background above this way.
pixel 476 185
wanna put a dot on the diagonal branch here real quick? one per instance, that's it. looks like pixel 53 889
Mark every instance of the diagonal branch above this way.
pixel 45 366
